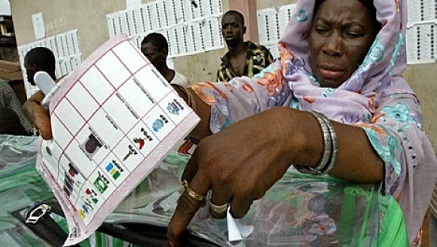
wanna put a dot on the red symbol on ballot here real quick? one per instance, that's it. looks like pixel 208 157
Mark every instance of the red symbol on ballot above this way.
pixel 140 142
pixel 72 170
pixel 92 194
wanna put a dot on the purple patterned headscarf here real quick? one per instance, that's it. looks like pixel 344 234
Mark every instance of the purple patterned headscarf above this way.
pixel 378 76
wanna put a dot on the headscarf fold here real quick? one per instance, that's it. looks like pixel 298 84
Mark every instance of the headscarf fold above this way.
pixel 378 75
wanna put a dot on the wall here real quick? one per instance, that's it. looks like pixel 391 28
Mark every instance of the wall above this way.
pixel 201 67
pixel 8 52
pixel 261 4
pixel 422 79
pixel 89 17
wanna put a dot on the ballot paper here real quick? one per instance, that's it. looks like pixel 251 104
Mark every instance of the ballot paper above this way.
pixel 113 120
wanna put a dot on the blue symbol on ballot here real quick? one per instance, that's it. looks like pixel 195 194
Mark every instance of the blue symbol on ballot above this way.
pixel 173 108
pixel 157 125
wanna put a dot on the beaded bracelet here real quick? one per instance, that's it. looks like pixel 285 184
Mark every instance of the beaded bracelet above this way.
pixel 327 149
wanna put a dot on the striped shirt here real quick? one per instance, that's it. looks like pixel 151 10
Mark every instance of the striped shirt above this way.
pixel 258 57
pixel 433 205
pixel 9 99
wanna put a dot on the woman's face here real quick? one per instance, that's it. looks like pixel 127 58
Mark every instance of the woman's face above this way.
pixel 341 33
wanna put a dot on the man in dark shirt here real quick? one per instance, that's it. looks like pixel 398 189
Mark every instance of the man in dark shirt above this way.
pixel 242 58
pixel 39 59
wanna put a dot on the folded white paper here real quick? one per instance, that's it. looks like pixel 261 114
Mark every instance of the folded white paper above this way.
pixel 237 231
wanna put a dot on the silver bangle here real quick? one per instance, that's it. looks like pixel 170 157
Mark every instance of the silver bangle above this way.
pixel 327 148
pixel 334 150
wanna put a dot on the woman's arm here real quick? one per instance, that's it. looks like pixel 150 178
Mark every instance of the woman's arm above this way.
pixel 358 162
pixel 202 109
pixel 240 163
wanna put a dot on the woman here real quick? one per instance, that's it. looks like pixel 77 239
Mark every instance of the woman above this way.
pixel 336 59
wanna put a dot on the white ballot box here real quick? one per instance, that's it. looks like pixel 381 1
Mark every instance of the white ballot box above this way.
pixel 113 119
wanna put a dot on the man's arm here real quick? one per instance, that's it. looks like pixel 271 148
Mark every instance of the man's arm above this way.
pixel 38 115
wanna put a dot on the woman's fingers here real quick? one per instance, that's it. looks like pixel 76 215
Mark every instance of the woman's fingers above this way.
pixel 185 210
pixel 188 204
pixel 191 167
pixel 220 197
pixel 240 206
pixel 237 165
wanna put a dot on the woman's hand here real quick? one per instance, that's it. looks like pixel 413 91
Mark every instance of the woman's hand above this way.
pixel 239 164
pixel 38 115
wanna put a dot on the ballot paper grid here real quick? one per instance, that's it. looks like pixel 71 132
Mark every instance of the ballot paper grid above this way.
pixel 106 125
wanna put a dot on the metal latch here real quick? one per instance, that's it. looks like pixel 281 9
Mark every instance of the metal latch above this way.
pixel 37 213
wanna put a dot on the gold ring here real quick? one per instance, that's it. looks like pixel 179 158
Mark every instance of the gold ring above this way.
pixel 217 209
pixel 195 196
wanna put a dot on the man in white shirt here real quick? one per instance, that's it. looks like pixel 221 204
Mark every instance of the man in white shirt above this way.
pixel 155 47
